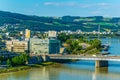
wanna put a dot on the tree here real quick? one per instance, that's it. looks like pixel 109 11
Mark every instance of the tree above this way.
pixel 74 46
pixel 9 63
pixel 96 43
pixel 62 37
pixel 20 60
pixel 1 59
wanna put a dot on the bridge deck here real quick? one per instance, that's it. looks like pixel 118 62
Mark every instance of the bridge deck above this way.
pixel 79 57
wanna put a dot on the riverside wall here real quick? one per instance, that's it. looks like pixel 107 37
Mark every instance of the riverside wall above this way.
pixel 38 59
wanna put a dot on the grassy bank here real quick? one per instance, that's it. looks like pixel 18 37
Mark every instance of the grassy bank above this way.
pixel 25 67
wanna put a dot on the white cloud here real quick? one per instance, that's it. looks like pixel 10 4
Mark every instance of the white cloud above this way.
pixel 52 3
pixel 60 3
pixel 75 4
pixel 103 4
pixel 87 5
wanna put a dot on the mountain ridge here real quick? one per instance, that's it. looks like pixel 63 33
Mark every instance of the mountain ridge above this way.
pixel 37 23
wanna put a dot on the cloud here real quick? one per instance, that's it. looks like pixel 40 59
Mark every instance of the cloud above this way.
pixel 76 4
pixel 60 4
pixel 52 4
pixel 87 5
pixel 103 4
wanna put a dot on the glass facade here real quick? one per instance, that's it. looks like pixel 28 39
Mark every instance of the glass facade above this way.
pixel 44 46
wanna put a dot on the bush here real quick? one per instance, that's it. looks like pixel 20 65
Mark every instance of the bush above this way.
pixel 20 60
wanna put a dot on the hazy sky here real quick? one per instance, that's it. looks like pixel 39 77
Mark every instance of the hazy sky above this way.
pixel 107 8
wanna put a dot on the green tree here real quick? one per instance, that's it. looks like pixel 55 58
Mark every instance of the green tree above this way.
pixel 96 43
pixel 20 60
pixel 74 46
pixel 62 37
pixel 9 63
pixel 1 59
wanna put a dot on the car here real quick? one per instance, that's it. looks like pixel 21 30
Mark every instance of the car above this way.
pixel 94 55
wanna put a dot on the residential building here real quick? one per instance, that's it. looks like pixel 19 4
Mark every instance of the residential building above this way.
pixel 44 46
pixel 17 46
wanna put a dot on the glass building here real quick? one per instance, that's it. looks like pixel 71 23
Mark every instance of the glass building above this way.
pixel 44 46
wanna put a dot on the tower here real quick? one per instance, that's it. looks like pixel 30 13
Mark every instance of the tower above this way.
pixel 27 33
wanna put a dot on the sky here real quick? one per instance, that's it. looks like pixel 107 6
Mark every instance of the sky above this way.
pixel 106 8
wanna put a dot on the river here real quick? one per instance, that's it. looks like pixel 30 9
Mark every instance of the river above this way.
pixel 80 70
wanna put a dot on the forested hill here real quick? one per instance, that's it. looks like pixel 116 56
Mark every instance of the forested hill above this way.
pixel 37 23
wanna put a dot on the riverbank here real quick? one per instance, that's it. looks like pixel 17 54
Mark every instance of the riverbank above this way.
pixel 25 67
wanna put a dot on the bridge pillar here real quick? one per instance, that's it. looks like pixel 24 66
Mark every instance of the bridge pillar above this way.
pixel 99 64
pixel 45 58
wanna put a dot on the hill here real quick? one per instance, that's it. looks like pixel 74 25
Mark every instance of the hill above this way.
pixel 15 21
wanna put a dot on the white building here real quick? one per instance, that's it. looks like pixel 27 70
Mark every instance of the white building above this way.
pixel 52 34
pixel 17 46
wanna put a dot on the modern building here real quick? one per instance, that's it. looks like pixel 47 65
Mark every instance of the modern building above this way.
pixel 44 46
pixel 17 46
pixel 27 33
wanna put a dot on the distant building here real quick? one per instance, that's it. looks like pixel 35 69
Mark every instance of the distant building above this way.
pixel 27 33
pixel 17 46
pixel 52 34
pixel 21 32
pixel 44 46
pixel 7 34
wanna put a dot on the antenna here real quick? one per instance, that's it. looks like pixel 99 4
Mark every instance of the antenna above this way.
pixel 98 31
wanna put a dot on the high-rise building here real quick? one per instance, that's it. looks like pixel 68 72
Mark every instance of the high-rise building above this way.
pixel 44 46
pixel 27 33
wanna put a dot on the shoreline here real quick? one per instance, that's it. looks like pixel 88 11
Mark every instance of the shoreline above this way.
pixel 26 67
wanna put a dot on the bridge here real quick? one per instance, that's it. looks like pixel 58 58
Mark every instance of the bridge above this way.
pixel 87 57
pixel 100 60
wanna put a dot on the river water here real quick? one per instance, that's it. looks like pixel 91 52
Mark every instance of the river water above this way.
pixel 80 70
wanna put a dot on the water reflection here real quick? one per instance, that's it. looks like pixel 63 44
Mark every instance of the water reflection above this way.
pixel 104 74
pixel 39 74
pixel 101 70
pixel 14 75
pixel 61 73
